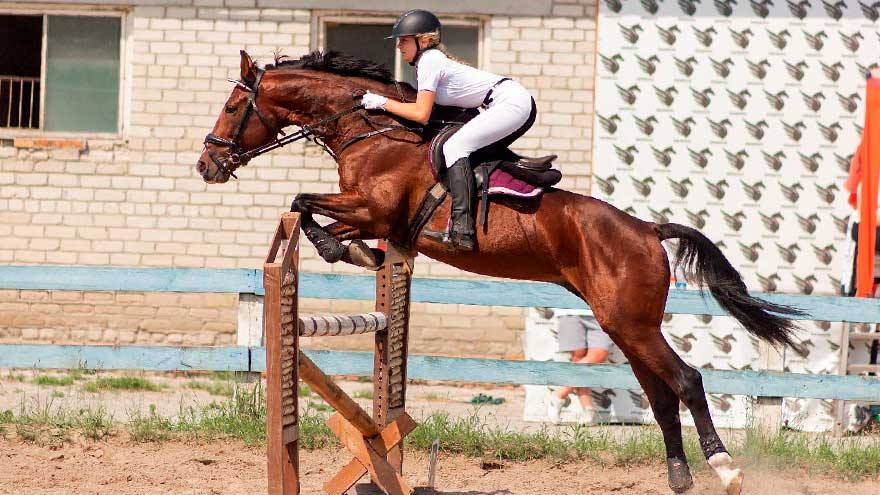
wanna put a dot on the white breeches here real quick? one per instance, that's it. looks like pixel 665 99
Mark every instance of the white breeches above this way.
pixel 510 108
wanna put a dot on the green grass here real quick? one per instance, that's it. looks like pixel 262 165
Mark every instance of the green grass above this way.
pixel 150 427
pixel 848 457
pixel 16 377
pixel 363 394
pixel 121 383
pixel 44 421
pixel 222 389
pixel 320 407
pixel 53 381
pixel 242 415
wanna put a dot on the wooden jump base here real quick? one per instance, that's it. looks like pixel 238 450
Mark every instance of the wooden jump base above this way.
pixel 375 441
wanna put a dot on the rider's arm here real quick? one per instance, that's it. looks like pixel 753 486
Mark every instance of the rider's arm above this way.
pixel 420 111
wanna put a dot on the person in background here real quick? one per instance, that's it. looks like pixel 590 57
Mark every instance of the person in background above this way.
pixel 582 336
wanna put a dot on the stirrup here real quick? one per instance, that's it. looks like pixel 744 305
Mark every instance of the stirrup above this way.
pixel 459 243
pixel 463 242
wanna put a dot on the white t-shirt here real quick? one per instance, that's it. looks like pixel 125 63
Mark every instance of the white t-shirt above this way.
pixel 453 84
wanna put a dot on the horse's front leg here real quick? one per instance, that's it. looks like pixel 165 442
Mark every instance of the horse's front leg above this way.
pixel 344 232
pixel 353 222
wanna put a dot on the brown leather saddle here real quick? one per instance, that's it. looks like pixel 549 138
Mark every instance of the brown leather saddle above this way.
pixel 446 122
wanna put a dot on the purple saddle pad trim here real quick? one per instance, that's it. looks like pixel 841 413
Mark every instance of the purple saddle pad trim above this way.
pixel 502 183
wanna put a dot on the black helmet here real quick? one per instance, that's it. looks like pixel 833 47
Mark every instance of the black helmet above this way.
pixel 414 22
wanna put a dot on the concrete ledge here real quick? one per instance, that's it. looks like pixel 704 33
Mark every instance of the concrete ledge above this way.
pixel 503 7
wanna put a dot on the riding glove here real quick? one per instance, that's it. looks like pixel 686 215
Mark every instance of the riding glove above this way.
pixel 372 101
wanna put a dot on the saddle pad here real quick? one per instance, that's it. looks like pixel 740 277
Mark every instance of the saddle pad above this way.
pixel 500 181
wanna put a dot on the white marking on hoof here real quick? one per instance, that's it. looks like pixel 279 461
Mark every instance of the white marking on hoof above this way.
pixel 731 477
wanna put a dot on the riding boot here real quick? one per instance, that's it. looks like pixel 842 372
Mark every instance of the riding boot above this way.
pixel 461 184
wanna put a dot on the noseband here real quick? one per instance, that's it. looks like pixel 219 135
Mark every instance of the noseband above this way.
pixel 234 155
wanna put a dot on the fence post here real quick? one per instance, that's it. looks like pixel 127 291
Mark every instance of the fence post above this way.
pixel 281 284
pixel 767 411
pixel 250 329
pixel 839 427
pixel 393 283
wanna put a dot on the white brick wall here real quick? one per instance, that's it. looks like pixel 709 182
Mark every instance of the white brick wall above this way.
pixel 138 201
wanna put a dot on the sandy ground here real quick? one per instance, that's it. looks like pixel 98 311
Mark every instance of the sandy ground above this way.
pixel 118 466
pixel 121 468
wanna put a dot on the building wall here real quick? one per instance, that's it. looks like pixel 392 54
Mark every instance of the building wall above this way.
pixel 137 201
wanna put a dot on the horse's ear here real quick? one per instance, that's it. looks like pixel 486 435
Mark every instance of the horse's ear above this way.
pixel 248 73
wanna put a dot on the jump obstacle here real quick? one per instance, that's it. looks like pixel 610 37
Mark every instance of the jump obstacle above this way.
pixel 374 441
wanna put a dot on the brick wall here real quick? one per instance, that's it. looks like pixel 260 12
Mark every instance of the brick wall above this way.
pixel 137 201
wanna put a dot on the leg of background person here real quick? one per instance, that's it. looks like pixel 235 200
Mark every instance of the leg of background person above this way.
pixel 592 356
pixel 576 356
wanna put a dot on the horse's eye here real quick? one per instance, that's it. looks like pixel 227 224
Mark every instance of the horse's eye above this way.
pixel 230 109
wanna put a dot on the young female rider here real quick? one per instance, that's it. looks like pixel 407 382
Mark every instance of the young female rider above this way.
pixel 508 110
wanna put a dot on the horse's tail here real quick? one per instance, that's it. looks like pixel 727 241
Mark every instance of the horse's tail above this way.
pixel 706 264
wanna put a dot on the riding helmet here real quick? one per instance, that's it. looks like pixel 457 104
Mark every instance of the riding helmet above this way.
pixel 415 22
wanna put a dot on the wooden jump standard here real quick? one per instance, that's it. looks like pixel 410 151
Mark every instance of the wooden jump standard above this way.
pixel 375 442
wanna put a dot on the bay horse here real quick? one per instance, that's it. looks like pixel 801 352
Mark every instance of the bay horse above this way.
pixel 613 261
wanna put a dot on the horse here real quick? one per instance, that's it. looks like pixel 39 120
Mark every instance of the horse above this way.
pixel 614 261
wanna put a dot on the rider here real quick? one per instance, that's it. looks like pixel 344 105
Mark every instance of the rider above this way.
pixel 508 109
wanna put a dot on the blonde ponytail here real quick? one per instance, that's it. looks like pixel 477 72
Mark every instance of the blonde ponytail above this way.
pixel 433 41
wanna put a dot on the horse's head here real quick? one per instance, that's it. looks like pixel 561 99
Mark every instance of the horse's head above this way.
pixel 314 92
pixel 250 118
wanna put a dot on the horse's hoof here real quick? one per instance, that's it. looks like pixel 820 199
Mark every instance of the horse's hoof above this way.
pixel 331 253
pixel 680 480
pixel 731 477
pixel 359 254
pixel 736 484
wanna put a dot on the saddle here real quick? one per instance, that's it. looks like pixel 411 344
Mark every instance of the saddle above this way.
pixel 497 171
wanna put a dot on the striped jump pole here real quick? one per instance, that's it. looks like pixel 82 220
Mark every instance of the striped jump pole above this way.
pixel 374 440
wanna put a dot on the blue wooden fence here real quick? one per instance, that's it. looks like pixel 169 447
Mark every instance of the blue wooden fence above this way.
pixel 161 358
pixel 497 293
pixel 326 286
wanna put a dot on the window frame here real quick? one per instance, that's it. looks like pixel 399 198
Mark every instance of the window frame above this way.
pixel 320 19
pixel 124 89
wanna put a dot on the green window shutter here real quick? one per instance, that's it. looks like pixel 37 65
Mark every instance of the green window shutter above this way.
pixel 82 74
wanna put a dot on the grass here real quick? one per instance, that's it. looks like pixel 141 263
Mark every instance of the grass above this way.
pixel 16 377
pixel 222 389
pixel 121 383
pixel 45 422
pixel 363 394
pixel 54 381
pixel 847 456
pixel 242 415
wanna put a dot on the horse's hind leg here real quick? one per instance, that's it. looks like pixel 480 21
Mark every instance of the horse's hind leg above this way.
pixel 649 346
pixel 664 404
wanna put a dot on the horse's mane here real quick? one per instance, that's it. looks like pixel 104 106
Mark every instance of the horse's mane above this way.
pixel 337 63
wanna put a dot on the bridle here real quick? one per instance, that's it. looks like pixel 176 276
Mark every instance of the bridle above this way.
pixel 238 157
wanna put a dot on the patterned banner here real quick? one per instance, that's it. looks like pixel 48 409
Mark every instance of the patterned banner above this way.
pixel 738 118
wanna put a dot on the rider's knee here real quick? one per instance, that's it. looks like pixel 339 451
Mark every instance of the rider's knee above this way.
pixel 453 150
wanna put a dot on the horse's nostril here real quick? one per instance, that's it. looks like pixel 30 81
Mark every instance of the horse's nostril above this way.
pixel 202 168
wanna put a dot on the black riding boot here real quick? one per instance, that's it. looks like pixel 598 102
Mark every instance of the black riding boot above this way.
pixel 461 184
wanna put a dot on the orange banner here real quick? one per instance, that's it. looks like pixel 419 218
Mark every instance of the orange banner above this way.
pixel 869 158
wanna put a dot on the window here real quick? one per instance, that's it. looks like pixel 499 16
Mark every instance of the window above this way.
pixel 365 38
pixel 60 73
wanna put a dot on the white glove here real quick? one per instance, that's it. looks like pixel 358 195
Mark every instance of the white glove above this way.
pixel 372 101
